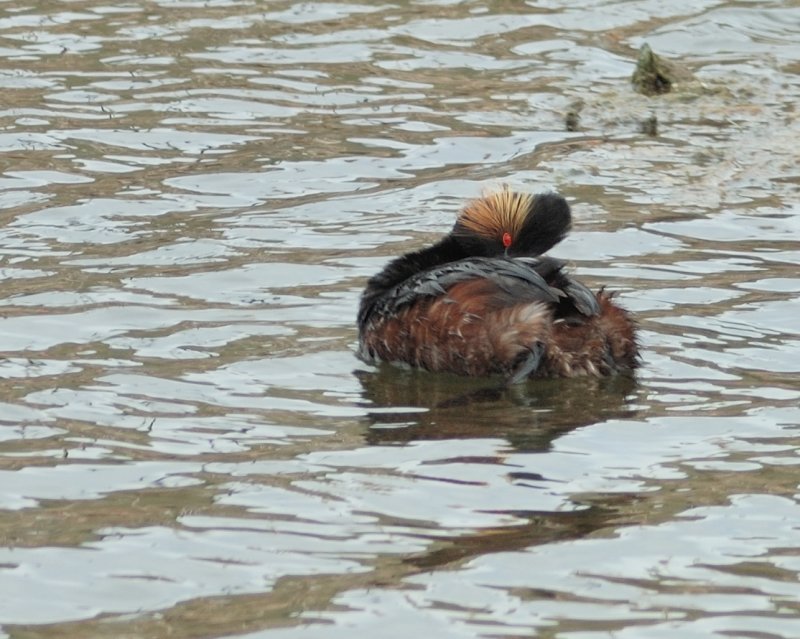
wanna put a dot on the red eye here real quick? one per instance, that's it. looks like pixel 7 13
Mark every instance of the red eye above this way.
pixel 506 240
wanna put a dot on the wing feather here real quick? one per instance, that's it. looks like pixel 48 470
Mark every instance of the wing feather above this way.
pixel 516 278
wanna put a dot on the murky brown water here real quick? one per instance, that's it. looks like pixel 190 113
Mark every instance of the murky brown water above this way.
pixel 192 196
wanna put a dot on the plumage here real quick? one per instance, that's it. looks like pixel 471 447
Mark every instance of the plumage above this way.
pixel 484 300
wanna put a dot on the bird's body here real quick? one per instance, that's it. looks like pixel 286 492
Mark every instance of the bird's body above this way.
pixel 484 301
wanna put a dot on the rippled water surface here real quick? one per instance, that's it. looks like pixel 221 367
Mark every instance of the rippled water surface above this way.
pixel 192 196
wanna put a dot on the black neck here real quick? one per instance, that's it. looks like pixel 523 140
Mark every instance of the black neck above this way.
pixel 400 269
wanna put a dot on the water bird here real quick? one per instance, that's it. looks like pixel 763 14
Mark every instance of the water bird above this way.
pixel 485 300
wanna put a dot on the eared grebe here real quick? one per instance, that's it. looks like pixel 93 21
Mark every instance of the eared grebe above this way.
pixel 484 300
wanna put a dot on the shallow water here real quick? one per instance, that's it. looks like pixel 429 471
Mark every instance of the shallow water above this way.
pixel 192 196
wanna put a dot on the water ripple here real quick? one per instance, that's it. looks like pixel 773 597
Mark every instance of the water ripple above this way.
pixel 194 194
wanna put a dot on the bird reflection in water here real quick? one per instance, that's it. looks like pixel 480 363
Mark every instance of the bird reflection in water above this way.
pixel 407 405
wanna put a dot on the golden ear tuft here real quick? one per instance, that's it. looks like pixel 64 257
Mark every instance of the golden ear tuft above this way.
pixel 496 215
